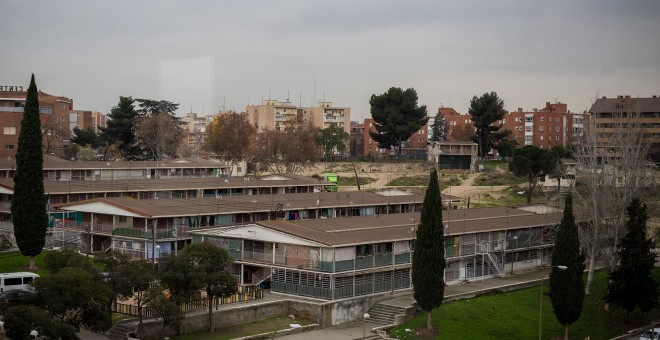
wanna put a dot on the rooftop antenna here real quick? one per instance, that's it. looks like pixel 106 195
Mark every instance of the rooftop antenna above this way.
pixel 268 94
pixel 300 99
pixel 287 96
pixel 314 97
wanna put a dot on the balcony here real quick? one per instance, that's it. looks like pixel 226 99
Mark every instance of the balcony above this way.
pixel 364 262
pixel 383 260
pixel 402 258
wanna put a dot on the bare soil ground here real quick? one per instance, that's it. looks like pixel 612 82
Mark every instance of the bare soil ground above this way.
pixel 383 173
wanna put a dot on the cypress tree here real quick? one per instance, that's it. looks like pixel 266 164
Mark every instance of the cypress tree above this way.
pixel 631 284
pixel 429 253
pixel 566 286
pixel 28 205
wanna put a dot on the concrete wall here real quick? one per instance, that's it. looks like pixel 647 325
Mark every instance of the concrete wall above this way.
pixel 325 314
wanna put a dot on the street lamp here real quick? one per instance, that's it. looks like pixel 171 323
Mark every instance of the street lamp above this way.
pixel 364 324
pixel 541 297
pixel 291 325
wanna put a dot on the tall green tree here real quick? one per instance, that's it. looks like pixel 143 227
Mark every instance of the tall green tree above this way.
pixel 506 143
pixel 28 204
pixel 631 284
pixel 331 139
pixel 485 111
pixel 119 129
pixel 439 128
pixel 532 162
pixel 429 253
pixel 566 286
pixel 201 266
pixel 211 264
pixel 86 137
pixel 396 117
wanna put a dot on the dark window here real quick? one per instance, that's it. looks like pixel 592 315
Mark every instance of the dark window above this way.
pixel 13 281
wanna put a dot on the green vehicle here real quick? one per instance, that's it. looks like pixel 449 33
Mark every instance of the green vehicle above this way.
pixel 332 178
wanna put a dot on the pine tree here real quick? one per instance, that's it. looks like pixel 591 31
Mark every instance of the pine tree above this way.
pixel 438 129
pixel 119 130
pixel 631 284
pixel 429 253
pixel 396 117
pixel 28 204
pixel 566 286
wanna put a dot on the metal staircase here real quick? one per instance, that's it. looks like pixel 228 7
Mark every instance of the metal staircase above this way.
pixel 261 275
pixel 494 262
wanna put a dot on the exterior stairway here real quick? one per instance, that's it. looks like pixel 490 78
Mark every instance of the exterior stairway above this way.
pixel 122 329
pixel 384 314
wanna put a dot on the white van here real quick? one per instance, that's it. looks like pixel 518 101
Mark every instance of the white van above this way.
pixel 19 280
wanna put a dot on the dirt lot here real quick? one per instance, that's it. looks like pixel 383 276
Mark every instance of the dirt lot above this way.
pixel 383 173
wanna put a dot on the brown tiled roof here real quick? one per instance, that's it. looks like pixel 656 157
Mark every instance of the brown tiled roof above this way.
pixel 172 207
pixel 141 185
pixel 358 230
pixel 55 163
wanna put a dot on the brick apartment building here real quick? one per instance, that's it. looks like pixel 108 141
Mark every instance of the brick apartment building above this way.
pixel 608 113
pixel 552 125
pixel 86 120
pixel 55 122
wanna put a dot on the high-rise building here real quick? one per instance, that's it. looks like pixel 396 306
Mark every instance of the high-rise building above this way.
pixel 54 121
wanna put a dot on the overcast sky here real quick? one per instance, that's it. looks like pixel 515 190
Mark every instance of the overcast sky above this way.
pixel 207 55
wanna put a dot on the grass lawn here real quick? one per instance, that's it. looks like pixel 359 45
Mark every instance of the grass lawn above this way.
pixel 515 315
pixel 409 181
pixel 237 331
pixel 495 178
pixel 350 181
pixel 15 262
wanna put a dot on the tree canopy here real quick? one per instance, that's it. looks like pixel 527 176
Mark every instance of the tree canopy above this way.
pixel 631 284
pixel 429 253
pixel 158 135
pixel 396 117
pixel 485 111
pixel 331 140
pixel 532 162
pixel 230 137
pixel 28 204
pixel 119 127
pixel 86 137
pixel 289 150
pixel 566 286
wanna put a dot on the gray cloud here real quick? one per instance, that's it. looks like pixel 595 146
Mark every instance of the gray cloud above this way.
pixel 206 53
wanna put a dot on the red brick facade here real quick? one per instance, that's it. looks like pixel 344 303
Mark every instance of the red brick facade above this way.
pixel 54 122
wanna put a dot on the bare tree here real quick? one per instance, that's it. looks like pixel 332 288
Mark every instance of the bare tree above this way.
pixel 289 150
pixel 230 137
pixel 158 134
pixel 612 168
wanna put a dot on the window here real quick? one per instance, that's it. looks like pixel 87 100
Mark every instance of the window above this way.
pixel 557 128
pixel 528 128
pixel 9 147
pixel 9 130
pixel 541 128
pixel 541 137
pixel 542 118
pixel 122 219
pixel 557 138
pixel 529 119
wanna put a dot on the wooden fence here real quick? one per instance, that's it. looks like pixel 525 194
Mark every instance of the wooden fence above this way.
pixel 244 294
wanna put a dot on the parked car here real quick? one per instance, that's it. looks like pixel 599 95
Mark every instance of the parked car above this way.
pixel 651 334
pixel 16 297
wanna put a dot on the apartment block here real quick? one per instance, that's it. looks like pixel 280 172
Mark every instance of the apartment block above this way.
pixel 275 115
pixel 362 145
pixel 609 113
pixel 55 114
